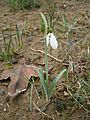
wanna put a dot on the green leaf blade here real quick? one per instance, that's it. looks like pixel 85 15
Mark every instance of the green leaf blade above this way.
pixel 54 82
pixel 44 24
pixel 43 82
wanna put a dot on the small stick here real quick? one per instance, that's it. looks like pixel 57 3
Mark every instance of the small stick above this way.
pixel 36 92
pixel 42 111
pixel 60 61
pixel 40 51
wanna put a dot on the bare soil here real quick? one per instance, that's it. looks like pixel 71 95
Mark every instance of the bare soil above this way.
pixel 61 106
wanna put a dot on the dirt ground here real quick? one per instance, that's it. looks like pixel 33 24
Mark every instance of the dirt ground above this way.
pixel 61 107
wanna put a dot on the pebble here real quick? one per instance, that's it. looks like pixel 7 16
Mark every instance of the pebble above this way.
pixel 4 109
pixel 66 94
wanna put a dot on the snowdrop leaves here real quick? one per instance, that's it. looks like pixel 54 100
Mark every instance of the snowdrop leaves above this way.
pixel 44 24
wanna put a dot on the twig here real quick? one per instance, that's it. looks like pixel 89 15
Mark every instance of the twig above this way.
pixel 36 92
pixel 40 51
pixel 87 19
pixel 42 111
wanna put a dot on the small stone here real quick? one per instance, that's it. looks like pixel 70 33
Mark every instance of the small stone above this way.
pixel 36 28
pixel 66 94
pixel 4 109
pixel 65 5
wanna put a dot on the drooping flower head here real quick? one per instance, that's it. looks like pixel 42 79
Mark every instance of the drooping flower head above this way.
pixel 50 38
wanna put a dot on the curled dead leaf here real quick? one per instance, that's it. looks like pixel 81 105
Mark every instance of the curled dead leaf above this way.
pixel 19 78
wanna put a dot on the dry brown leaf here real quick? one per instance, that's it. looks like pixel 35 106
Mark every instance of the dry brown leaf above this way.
pixel 19 78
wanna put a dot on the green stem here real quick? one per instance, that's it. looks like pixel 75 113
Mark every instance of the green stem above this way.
pixel 46 61
pixel 31 96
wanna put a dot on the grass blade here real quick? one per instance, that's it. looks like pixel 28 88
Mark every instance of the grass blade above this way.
pixel 43 82
pixel 54 82
pixel 44 24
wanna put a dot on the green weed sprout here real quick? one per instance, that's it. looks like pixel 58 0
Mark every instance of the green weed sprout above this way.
pixel 5 55
pixel 22 4
pixel 51 10
pixel 10 46
pixel 49 39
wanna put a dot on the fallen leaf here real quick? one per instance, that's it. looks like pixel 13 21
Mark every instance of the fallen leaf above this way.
pixel 19 78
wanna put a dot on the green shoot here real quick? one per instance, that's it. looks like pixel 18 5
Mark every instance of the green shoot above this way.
pixel 48 88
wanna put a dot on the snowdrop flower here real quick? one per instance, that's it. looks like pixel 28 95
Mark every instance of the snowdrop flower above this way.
pixel 52 40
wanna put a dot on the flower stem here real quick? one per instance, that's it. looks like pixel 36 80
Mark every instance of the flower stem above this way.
pixel 46 61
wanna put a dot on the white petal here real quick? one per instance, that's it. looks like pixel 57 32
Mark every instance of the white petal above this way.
pixel 48 38
pixel 53 41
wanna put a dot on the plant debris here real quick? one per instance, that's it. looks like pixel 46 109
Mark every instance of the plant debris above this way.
pixel 19 78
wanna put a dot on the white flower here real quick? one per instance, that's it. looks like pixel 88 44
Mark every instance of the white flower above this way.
pixel 52 40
